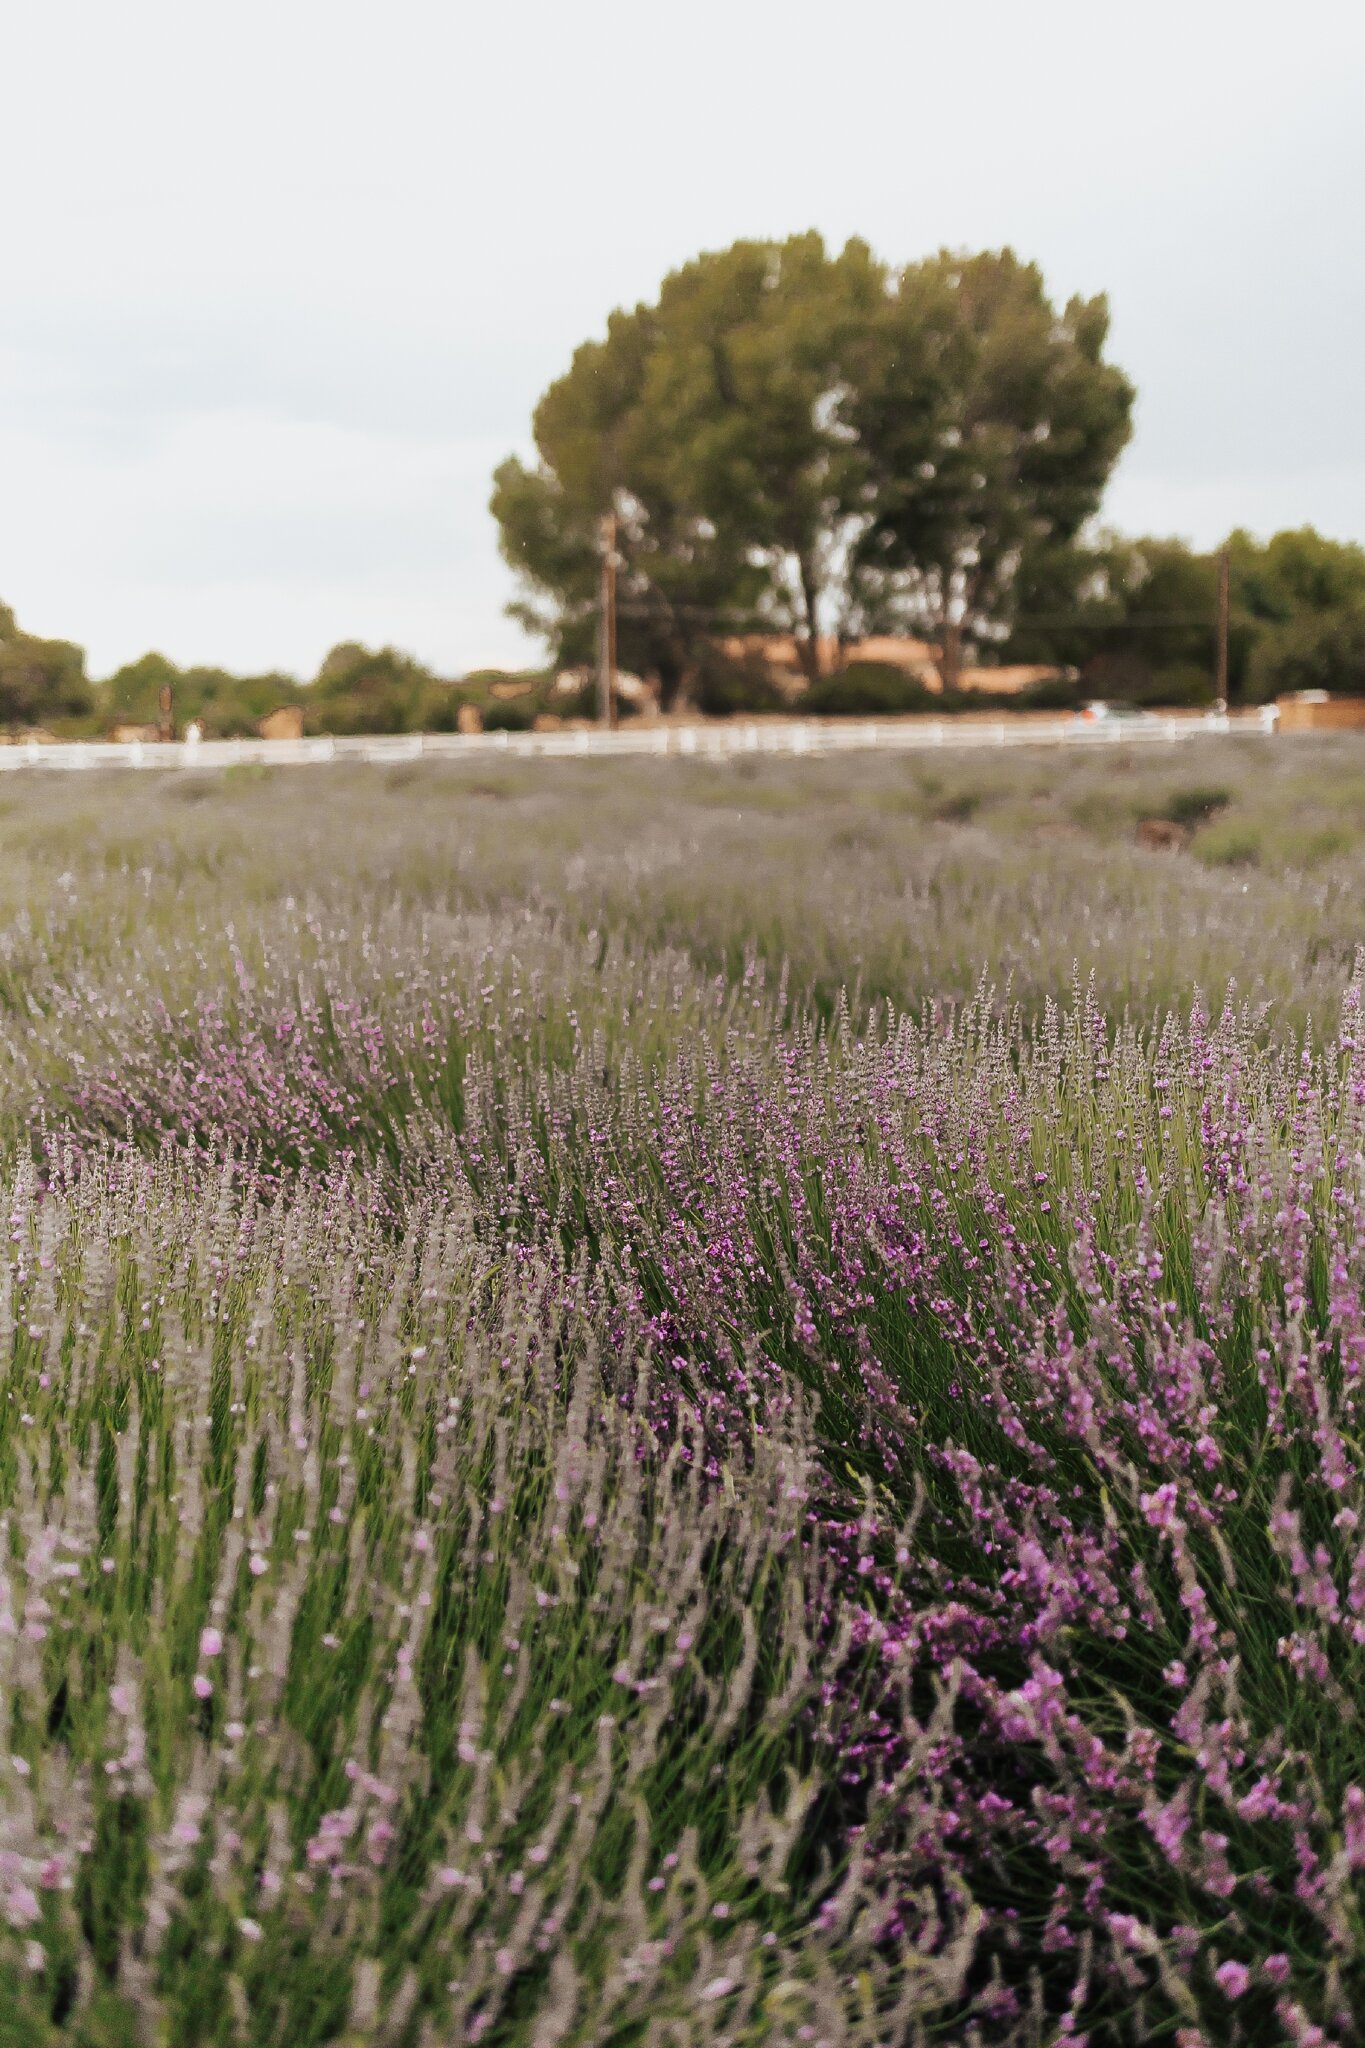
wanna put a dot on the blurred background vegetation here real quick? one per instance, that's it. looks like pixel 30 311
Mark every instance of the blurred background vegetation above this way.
pixel 1135 625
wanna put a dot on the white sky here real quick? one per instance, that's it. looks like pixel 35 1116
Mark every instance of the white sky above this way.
pixel 280 282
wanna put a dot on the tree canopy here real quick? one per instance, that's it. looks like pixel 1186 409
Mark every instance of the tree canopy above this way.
pixel 41 681
pixel 808 442
pixel 1134 617
pixel 222 705
pixel 991 424
pixel 1137 617
pixel 1304 598
pixel 360 690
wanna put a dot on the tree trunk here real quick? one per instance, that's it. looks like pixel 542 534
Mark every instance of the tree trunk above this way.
pixel 950 658
pixel 682 698
pixel 808 644
pixel 674 677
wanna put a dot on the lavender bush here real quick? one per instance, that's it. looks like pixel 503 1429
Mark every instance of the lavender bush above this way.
pixel 563 1481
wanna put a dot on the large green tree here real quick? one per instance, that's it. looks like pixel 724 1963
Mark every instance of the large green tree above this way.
pixel 365 690
pixel 42 682
pixel 798 440
pixel 708 424
pixel 991 422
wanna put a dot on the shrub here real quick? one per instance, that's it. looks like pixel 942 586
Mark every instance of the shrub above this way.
pixel 1130 678
pixel 509 714
pixel 1229 845
pixel 438 708
pixel 959 807
pixel 360 691
pixel 729 689
pixel 1053 693
pixel 1181 686
pixel 1326 843
pixel 1194 807
pixel 227 706
pixel 871 689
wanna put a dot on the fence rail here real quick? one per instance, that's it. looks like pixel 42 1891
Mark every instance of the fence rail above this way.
pixel 738 736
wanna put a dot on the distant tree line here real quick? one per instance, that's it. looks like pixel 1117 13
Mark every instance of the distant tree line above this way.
pixel 1136 618
pixel 44 687
pixel 1130 619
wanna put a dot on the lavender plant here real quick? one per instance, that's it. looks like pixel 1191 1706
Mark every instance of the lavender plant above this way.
pixel 560 1483
pixel 371 1670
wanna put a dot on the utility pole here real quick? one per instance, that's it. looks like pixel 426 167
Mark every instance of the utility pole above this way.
pixel 166 723
pixel 1220 682
pixel 606 624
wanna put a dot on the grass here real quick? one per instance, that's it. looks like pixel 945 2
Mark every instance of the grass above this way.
pixel 684 1404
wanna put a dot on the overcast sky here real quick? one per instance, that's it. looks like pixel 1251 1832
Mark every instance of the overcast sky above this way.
pixel 280 282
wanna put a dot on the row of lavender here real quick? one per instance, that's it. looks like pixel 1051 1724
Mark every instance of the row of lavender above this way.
pixel 370 1670
pixel 546 1500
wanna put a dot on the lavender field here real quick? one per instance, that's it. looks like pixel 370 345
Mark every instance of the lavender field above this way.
pixel 670 1404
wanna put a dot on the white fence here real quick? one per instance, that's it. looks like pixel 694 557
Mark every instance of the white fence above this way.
pixel 779 736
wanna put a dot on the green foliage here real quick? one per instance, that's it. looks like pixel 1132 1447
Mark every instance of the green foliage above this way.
pixel 509 714
pixel 1296 571
pixel 794 439
pixel 440 703
pixel 224 706
pixel 872 689
pixel 230 707
pixel 1138 617
pixel 1182 686
pixel 991 423
pixel 1229 844
pixel 439 710
pixel 1053 693
pixel 1169 600
pixel 341 661
pixel 42 682
pixel 1316 651
pixel 132 695
pixel 1300 603
pixel 361 691
pixel 579 702
pixel 723 688
pixel 699 422
pixel 1135 618
pixel 1194 807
